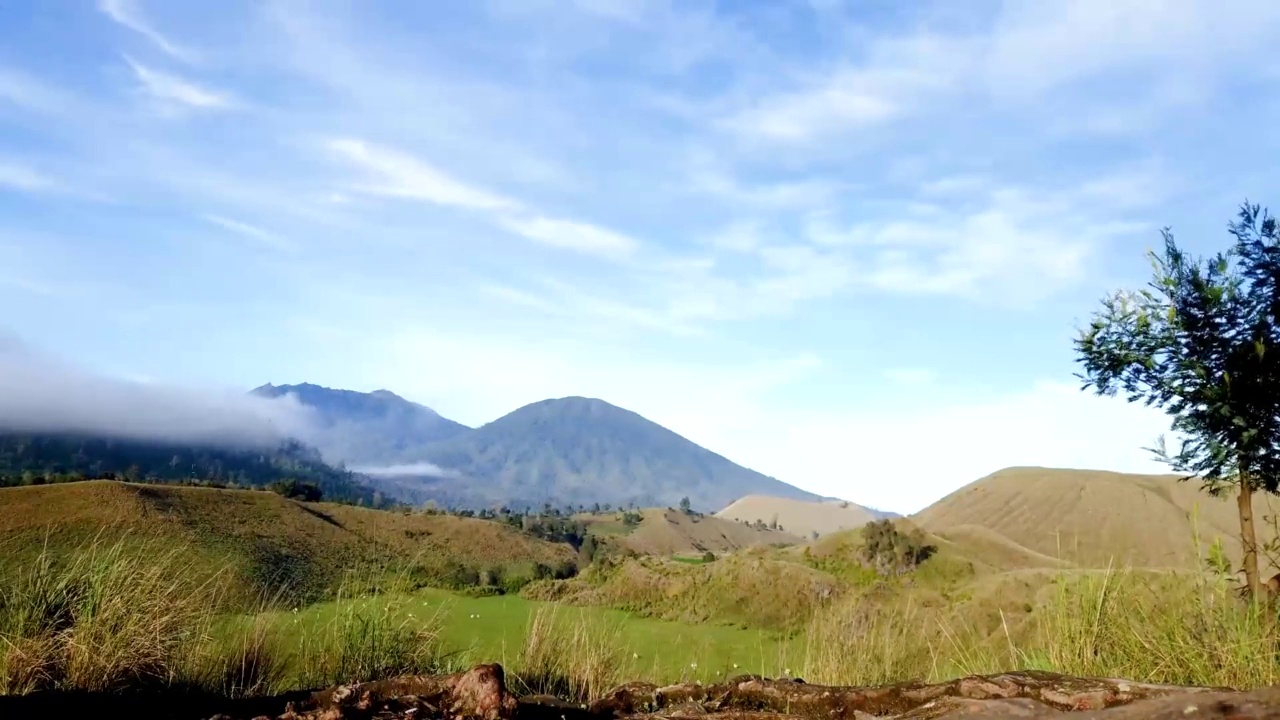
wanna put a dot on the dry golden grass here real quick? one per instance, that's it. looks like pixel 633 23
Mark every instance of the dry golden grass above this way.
pixel 570 654
pixel 126 614
pixel 1093 518
pixel 266 542
pixel 671 532
pixel 798 517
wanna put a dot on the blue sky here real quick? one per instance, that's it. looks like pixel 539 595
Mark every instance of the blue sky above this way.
pixel 843 243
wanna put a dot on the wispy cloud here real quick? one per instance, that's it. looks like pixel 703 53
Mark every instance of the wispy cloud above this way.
pixel 129 14
pixel 20 177
pixel 264 237
pixel 399 174
pixel 172 90
pixel 571 235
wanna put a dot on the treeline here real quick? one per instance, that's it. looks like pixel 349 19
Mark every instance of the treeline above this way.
pixel 46 459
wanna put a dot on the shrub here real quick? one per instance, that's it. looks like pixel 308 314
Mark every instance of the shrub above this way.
pixel 892 552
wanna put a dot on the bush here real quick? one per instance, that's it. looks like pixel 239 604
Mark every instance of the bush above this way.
pixel 892 552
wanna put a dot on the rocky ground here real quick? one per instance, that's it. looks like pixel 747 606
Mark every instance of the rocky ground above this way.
pixel 482 693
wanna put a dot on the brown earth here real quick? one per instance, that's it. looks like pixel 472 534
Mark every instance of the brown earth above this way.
pixel 799 517
pixel 481 693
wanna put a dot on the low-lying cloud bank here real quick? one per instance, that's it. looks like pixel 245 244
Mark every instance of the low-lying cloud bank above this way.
pixel 42 394
pixel 418 469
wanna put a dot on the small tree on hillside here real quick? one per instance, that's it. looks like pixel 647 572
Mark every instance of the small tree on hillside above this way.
pixel 685 505
pixel 892 552
pixel 1201 343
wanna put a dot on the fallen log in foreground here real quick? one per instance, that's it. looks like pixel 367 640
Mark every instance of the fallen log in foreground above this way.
pixel 482 693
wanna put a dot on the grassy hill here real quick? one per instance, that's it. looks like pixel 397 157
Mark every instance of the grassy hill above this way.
pixel 1092 517
pixel 263 539
pixel 798 517
pixel 667 532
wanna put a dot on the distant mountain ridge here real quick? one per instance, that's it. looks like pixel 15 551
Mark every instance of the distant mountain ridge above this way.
pixel 367 429
pixel 572 450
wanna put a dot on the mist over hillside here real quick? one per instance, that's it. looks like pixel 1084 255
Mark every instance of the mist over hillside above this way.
pixel 566 450
pixel 43 394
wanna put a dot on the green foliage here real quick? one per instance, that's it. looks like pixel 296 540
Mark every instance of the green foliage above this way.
pixel 297 490
pixel 1201 343
pixel 892 552
pixel 27 459
pixel 708 556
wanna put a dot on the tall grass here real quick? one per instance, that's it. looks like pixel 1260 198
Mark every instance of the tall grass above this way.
pixel 1186 629
pixel 1181 628
pixel 129 615
pixel 570 654
pixel 109 617
pixel 362 641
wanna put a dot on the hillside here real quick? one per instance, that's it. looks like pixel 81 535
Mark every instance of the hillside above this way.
pixel 377 429
pixel 27 458
pixel 1091 517
pixel 585 450
pixel 663 531
pixel 798 517
pixel 265 539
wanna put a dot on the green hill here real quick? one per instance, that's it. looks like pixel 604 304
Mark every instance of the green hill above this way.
pixel 262 540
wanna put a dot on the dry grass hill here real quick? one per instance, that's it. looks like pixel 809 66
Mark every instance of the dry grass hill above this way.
pixel 663 531
pixel 263 538
pixel 1092 517
pixel 798 517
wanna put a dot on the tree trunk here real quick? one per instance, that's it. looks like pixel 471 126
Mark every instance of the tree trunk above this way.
pixel 1248 538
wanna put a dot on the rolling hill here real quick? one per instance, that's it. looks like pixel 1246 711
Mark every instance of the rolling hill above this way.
pixel 798 517
pixel 1092 517
pixel 663 531
pixel 263 539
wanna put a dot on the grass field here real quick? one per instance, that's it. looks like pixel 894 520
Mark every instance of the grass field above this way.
pixel 144 603
pixel 267 544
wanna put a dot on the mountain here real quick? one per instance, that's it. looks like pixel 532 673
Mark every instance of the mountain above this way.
pixel 378 429
pixel 582 450
pixel 799 517
pixel 1092 517
pixel 39 458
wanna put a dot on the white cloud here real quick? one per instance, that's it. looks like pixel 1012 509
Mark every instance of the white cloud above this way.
pixel 43 394
pixel 128 14
pixel 254 232
pixel 171 89
pixel 19 177
pixel 27 92
pixel 572 235
pixel 401 175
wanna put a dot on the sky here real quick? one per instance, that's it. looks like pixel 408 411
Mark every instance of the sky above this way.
pixel 846 244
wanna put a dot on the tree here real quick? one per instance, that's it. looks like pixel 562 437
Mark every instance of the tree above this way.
pixel 1200 344
pixel 892 552
pixel 685 505
pixel 588 549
